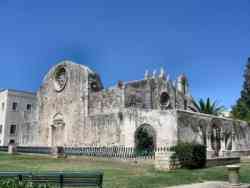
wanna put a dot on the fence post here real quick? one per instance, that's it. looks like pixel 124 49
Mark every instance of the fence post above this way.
pixel 163 160
pixel 58 152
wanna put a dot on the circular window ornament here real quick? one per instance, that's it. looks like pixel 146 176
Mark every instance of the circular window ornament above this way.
pixel 60 78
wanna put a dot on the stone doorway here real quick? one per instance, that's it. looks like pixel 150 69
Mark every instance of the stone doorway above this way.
pixel 58 135
pixel 145 138
pixel 58 131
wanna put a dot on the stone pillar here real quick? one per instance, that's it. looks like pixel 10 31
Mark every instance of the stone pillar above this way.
pixel 222 144
pixel 58 152
pixel 234 144
pixel 210 150
pixel 234 175
pixel 12 149
pixel 163 161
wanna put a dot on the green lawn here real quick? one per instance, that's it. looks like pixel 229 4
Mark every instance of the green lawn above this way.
pixel 118 174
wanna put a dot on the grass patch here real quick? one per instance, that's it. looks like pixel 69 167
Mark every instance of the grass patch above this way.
pixel 118 174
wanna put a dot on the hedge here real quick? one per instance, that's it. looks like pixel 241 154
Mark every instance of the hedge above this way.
pixel 190 155
pixel 18 184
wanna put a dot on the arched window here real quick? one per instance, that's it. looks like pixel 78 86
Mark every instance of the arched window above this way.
pixel 165 101
pixel 60 78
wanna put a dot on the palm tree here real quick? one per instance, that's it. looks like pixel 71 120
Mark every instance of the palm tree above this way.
pixel 208 107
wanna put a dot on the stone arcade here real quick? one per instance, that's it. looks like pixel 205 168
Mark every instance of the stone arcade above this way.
pixel 73 109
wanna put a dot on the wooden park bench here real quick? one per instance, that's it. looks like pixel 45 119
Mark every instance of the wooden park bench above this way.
pixel 61 179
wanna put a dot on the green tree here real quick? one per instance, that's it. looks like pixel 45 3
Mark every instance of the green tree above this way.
pixel 242 108
pixel 208 107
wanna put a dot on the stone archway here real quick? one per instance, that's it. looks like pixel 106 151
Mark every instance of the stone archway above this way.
pixel 202 131
pixel 58 130
pixel 145 138
pixel 215 136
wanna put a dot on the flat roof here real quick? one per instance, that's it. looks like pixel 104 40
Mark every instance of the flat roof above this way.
pixel 18 91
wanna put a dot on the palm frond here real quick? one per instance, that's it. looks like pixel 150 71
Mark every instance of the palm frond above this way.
pixel 208 107
pixel 196 105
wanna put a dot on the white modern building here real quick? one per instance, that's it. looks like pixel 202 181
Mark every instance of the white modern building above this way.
pixel 17 109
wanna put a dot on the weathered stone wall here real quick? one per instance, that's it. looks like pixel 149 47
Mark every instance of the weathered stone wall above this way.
pixel 138 94
pixel 194 127
pixel 163 122
pixel 119 129
pixel 146 94
pixel 106 101
pixel 103 130
pixel 63 112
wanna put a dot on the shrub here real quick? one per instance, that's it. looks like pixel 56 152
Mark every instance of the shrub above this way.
pixel 9 183
pixel 190 155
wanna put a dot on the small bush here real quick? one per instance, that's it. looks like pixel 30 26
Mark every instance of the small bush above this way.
pixel 9 183
pixel 190 155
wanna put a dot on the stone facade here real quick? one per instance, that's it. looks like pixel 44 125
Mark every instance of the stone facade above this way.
pixel 18 117
pixel 82 113
pixel 73 109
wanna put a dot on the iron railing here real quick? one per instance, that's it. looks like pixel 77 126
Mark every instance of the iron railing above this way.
pixel 125 153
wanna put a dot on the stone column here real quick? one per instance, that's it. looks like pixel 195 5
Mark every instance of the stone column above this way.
pixel 210 150
pixel 163 161
pixel 50 139
pixel 222 144
pixel 234 144
pixel 234 175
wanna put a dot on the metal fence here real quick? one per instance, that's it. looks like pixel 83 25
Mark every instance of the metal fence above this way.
pixel 110 152
pixel 124 153
pixel 4 148
pixel 35 150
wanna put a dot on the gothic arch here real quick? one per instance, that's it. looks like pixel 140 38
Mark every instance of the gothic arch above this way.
pixel 202 125
pixel 145 138
pixel 215 131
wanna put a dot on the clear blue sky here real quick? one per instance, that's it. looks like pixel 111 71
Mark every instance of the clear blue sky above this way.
pixel 208 40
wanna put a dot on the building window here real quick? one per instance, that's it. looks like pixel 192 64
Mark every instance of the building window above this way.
pixel 13 130
pixel 28 107
pixel 3 105
pixel 14 106
pixel 1 129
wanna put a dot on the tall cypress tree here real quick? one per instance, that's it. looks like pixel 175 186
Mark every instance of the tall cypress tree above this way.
pixel 242 108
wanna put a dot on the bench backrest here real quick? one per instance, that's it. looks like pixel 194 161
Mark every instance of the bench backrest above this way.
pixel 74 179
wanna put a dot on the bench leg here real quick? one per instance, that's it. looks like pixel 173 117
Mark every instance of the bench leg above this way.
pixel 61 181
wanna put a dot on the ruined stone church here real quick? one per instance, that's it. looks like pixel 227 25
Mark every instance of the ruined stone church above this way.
pixel 72 108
